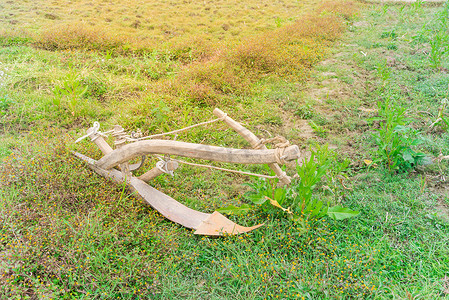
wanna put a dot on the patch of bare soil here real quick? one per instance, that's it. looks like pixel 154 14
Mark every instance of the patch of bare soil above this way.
pixel 342 86
pixel 443 208
pixel 337 93
pixel 440 186
pixel 302 127
pixel 446 285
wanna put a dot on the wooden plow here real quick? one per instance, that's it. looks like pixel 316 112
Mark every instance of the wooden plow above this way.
pixel 115 165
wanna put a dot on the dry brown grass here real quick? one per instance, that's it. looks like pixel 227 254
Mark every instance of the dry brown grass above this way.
pixel 214 67
pixel 13 36
pixel 208 82
pixel 345 9
pixel 188 30
pixel 78 36
pixel 198 48
pixel 154 22
pixel 288 51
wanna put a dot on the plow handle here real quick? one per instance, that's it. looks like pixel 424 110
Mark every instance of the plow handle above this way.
pixel 254 141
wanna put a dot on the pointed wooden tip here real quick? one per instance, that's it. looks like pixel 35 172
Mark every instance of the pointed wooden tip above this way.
pixel 217 224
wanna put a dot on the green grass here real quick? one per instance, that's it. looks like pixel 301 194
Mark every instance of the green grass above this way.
pixel 66 233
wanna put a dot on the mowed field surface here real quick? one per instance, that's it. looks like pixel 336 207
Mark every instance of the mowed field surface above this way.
pixel 156 21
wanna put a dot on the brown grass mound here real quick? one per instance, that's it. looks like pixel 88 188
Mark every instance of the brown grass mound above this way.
pixel 14 36
pixel 78 36
pixel 290 49
pixel 187 50
pixel 345 9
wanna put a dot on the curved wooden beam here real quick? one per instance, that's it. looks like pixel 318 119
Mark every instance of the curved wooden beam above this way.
pixel 206 152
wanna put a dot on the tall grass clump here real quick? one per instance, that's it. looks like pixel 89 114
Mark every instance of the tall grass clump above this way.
pixel 187 50
pixel 79 36
pixel 288 50
pixel 345 9
pixel 13 37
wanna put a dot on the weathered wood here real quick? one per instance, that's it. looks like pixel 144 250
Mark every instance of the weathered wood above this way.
pixel 100 142
pixel 217 224
pixel 206 152
pixel 137 166
pixel 119 143
pixel 151 174
pixel 105 148
pixel 167 206
pixel 205 224
pixel 112 174
pixel 254 141
pixel 156 171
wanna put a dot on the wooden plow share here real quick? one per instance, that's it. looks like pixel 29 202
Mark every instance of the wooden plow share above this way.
pixel 115 165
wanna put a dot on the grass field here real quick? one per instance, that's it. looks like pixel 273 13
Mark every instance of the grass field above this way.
pixel 153 23
pixel 368 80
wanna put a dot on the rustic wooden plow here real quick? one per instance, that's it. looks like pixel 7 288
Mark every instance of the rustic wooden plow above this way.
pixel 132 146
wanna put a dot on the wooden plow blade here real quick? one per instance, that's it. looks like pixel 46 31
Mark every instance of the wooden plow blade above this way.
pixel 204 224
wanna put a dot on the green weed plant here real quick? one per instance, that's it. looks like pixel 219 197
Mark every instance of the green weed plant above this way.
pixel 435 33
pixel 5 104
pixel 439 48
pixel 70 93
pixel 442 118
pixel 395 140
pixel 319 130
pixel 383 72
pixel 298 200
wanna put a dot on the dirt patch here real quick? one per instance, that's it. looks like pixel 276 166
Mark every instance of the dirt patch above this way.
pixel 360 24
pixel 306 131
pixel 443 208
pixel 329 74
pixel 337 92
pixel 302 127
pixel 327 62
pixel 440 187
pixel 317 94
pixel 330 81
pixel 446 285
